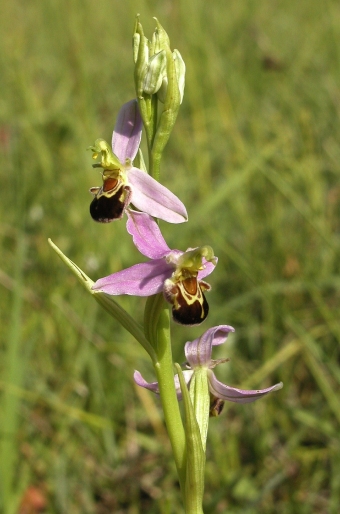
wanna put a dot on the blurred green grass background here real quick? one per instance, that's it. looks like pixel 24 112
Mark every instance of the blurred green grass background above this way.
pixel 255 156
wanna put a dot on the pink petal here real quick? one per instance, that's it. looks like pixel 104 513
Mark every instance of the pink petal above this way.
pixel 146 235
pixel 232 394
pixel 151 197
pixel 143 279
pixel 198 352
pixel 128 132
pixel 152 386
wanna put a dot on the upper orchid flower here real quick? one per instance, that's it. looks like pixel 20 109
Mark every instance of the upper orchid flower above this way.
pixel 198 355
pixel 178 274
pixel 123 183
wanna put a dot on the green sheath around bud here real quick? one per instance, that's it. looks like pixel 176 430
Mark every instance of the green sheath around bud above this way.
pixel 135 46
pixel 140 56
pixel 180 78
pixel 180 72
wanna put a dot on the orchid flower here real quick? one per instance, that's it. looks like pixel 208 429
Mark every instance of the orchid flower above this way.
pixel 123 183
pixel 175 273
pixel 198 355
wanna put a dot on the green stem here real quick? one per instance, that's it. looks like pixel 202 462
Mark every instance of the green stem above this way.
pixel 165 377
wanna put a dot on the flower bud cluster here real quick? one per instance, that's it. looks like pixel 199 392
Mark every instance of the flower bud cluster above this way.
pixel 154 62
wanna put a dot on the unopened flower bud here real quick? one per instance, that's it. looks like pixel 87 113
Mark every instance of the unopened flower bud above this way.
pixel 180 78
pixel 155 72
pixel 151 69
pixel 180 72
pixel 135 45
pixel 140 56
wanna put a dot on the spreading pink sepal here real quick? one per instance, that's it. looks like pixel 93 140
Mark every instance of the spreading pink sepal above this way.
pixel 146 235
pixel 127 133
pixel 143 279
pixel 150 196
pixel 198 354
pixel 231 394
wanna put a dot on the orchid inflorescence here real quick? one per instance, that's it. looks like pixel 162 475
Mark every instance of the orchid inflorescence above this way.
pixel 169 276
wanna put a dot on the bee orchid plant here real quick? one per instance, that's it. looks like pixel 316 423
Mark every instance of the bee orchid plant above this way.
pixel 169 276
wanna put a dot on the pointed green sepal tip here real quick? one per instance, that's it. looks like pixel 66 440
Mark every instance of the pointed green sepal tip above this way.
pixel 160 38
pixel 81 276
pixel 136 38
pixel 140 56
pixel 138 29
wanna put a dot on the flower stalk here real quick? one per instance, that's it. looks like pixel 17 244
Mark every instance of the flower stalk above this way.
pixel 170 406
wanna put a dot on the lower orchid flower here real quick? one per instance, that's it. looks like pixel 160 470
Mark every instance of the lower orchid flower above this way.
pixel 175 273
pixel 123 183
pixel 198 355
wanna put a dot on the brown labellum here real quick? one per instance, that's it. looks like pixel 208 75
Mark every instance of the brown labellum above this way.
pixel 190 306
pixel 110 200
